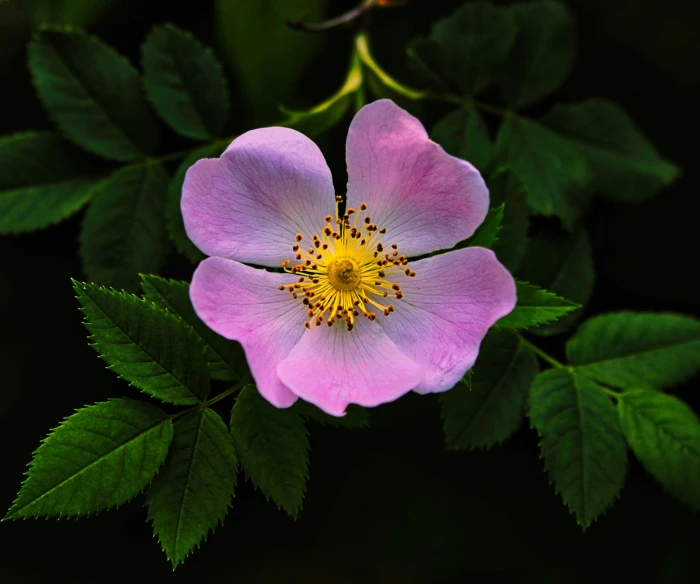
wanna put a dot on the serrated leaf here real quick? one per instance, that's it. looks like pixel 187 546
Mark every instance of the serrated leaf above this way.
pixel 100 457
pixel 636 350
pixel 535 306
pixel 185 83
pixel 562 264
pixel 318 119
pixel 355 416
pixel 124 233
pixel 173 213
pixel 487 233
pixel 664 434
pixel 41 182
pixel 510 247
pixel 489 411
pixel 467 49
pixel 225 358
pixel 147 346
pixel 552 172
pixel 624 164
pixel 272 447
pixel 463 133
pixel 580 440
pixel 542 54
pixel 192 493
pixel 92 93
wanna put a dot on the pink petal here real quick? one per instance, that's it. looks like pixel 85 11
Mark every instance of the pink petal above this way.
pixel 446 310
pixel 249 204
pixel 244 304
pixel 426 199
pixel 334 367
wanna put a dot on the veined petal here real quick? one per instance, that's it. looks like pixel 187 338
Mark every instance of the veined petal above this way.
pixel 426 199
pixel 249 204
pixel 333 367
pixel 446 311
pixel 244 304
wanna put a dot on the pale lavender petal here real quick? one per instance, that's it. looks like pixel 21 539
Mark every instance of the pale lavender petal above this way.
pixel 334 367
pixel 446 310
pixel 426 199
pixel 244 304
pixel 249 204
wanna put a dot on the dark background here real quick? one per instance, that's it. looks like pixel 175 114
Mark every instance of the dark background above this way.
pixel 385 504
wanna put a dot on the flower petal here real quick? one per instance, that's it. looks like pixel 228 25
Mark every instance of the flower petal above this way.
pixel 426 199
pixel 244 304
pixel 249 204
pixel 333 367
pixel 446 311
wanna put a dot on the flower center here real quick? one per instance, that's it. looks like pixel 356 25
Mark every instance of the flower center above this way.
pixel 344 274
pixel 346 271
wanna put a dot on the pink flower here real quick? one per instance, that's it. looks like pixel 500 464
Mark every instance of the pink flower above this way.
pixel 351 319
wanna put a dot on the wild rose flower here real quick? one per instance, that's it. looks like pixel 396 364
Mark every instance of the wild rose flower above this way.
pixel 351 319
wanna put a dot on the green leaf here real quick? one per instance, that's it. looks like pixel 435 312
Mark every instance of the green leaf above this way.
pixel 664 434
pixel 185 83
pixel 100 457
pixel 192 493
pixel 41 182
pixel 535 306
pixel 355 416
pixel 73 12
pixel 318 119
pixel 487 233
pixel 580 440
pixel 636 350
pixel 226 359
pixel 543 52
pixel 512 240
pixel 272 447
pixel 563 265
pixel 552 172
pixel 147 346
pixel 92 93
pixel 469 47
pixel 624 164
pixel 463 133
pixel 173 213
pixel 493 408
pixel 267 56
pixel 424 59
pixel 124 233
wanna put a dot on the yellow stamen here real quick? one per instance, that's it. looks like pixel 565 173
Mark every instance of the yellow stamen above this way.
pixel 351 275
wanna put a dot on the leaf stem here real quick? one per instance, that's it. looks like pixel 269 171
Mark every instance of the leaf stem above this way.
pixel 169 157
pixel 613 394
pixel 552 361
pixel 471 103
pixel 224 394
pixel 540 353
pixel 362 48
